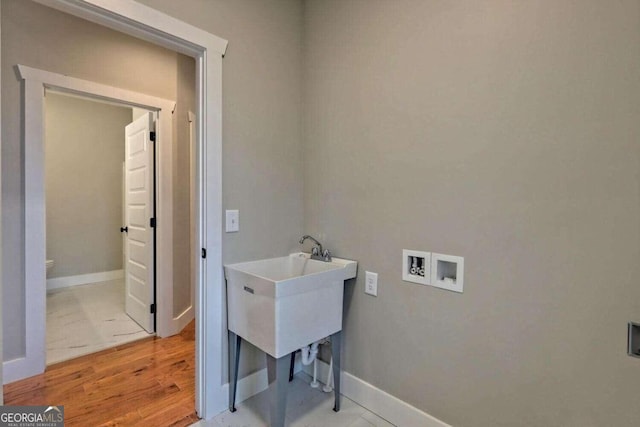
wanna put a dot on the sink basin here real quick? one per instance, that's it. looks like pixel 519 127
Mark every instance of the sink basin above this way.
pixel 282 304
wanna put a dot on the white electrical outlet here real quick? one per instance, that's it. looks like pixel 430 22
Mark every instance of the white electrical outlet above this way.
pixel 371 283
pixel 233 221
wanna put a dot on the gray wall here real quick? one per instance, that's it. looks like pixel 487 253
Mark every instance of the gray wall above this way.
pixel 84 151
pixel 261 118
pixel 505 132
pixel 261 123
pixel 40 37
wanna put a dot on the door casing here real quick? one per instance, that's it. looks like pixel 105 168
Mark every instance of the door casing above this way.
pixel 36 84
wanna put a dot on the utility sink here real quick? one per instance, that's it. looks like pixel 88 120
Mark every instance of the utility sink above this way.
pixel 283 304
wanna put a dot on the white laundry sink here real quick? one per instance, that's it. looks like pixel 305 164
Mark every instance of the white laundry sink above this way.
pixel 282 304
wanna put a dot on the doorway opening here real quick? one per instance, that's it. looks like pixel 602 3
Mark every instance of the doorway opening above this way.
pixel 100 201
pixel 141 307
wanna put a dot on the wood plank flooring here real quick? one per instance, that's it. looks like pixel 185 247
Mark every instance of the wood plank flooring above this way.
pixel 145 383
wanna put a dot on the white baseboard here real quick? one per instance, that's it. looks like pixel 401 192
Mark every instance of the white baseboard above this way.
pixel 250 385
pixel 83 279
pixel 377 401
pixel 17 369
pixel 183 320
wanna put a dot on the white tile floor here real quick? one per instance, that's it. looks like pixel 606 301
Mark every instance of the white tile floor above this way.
pixel 306 407
pixel 88 318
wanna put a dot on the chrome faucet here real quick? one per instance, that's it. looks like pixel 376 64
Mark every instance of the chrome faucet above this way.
pixel 317 252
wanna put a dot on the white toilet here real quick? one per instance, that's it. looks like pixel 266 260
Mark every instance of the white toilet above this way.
pixel 49 264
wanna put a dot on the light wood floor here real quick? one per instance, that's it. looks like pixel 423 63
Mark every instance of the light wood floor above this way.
pixel 147 383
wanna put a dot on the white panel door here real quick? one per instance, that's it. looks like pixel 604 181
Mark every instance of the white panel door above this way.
pixel 139 210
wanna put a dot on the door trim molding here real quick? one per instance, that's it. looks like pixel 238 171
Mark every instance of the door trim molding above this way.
pixel 141 21
pixel 35 83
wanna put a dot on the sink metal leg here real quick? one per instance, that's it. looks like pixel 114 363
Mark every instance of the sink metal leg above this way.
pixel 278 374
pixel 336 341
pixel 234 361
pixel 292 366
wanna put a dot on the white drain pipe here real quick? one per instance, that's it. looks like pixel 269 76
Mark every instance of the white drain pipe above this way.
pixel 315 383
pixel 309 353
pixel 328 388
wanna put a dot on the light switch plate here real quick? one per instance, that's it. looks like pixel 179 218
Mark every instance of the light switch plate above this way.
pixel 233 221
pixel 371 283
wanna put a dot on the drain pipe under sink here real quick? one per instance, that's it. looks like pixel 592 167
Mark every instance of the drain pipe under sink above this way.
pixel 309 353
pixel 328 388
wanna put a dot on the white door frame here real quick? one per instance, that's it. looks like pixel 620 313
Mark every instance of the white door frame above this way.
pixel 193 207
pixel 149 24
pixel 35 83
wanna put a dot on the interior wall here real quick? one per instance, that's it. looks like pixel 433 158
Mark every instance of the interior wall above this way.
pixel 504 132
pixel 40 37
pixel 261 124
pixel 137 113
pixel 84 151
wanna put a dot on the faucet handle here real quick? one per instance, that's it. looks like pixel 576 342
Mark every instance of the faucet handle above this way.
pixel 314 251
pixel 326 255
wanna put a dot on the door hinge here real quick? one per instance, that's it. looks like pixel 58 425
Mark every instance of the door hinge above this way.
pixel 152 308
pixel 152 223
pixel 204 253
pixel 152 136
